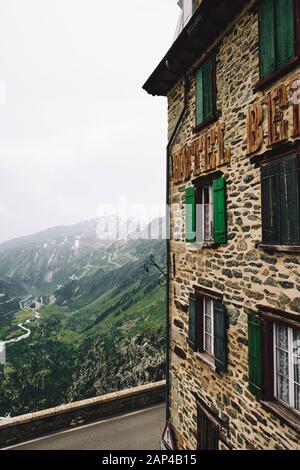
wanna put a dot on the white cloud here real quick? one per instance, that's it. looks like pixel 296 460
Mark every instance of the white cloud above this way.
pixel 77 129
pixel 3 209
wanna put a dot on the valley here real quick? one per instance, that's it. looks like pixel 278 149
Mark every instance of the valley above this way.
pixel 25 306
pixel 80 317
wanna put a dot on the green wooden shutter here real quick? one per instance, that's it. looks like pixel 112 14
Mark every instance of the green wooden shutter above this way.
pixel 193 322
pixel 270 196
pixel 208 88
pixel 199 96
pixel 190 215
pixel 285 31
pixel 220 337
pixel 289 176
pixel 255 356
pixel 267 38
pixel 220 218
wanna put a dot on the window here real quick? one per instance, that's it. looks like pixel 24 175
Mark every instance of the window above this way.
pixel 205 213
pixel 287 365
pixel 277 35
pixel 274 361
pixel 208 324
pixel 208 329
pixel 206 91
pixel 281 202
pixel 207 432
pixel 205 206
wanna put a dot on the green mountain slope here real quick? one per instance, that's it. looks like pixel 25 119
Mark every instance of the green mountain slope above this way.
pixel 11 293
pixel 52 258
pixel 100 332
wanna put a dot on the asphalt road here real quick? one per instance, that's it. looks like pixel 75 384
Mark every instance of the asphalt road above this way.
pixel 137 431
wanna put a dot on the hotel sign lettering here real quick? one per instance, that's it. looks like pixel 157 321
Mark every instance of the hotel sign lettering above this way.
pixel 207 153
pixel 275 118
pixel 271 120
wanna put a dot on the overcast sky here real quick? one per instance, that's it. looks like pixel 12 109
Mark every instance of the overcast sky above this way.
pixel 77 130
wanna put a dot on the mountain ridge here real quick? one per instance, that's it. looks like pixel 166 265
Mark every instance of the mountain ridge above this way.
pixel 50 258
pixel 100 325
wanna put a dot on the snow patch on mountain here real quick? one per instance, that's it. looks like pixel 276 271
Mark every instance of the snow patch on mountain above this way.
pixel 49 277
pixel 51 257
pixel 63 242
pixel 76 245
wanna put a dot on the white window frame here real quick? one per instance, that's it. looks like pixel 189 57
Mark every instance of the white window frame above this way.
pixel 200 217
pixel 212 333
pixel 291 376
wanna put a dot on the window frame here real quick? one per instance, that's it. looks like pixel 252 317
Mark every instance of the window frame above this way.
pixel 204 295
pixel 221 426
pixel 208 439
pixel 198 184
pixel 204 237
pixel 205 301
pixel 278 245
pixel 200 325
pixel 278 73
pixel 271 316
pixel 215 115
pixel 291 364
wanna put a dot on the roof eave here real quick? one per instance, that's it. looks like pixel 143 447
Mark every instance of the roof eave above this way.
pixel 211 17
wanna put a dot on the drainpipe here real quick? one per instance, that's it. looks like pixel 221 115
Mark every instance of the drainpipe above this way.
pixel 169 147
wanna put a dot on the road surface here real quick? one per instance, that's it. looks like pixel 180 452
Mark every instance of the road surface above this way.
pixel 21 326
pixel 137 431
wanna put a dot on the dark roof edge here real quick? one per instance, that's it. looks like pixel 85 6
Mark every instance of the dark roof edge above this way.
pixel 165 76
pixel 178 40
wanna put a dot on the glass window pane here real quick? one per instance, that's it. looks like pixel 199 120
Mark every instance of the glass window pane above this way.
pixel 208 343
pixel 207 324
pixel 210 210
pixel 207 213
pixel 297 370
pixel 282 358
pixel 297 397
pixel 282 340
pixel 199 222
pixel 296 345
pixel 208 308
pixel 283 388
pixel 206 222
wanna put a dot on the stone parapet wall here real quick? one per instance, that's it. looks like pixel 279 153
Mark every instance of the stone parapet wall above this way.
pixel 27 427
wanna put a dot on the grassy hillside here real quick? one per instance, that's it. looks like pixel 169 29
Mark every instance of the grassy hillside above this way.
pixel 100 333
pixel 11 293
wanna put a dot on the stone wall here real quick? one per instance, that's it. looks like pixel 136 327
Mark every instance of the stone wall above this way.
pixel 27 427
pixel 244 274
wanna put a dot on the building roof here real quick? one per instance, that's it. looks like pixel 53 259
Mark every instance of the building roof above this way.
pixel 209 20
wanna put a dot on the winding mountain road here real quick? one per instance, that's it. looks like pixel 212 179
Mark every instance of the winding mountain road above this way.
pixel 113 263
pixel 24 305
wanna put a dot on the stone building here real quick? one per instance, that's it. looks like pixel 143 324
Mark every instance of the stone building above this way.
pixel 232 81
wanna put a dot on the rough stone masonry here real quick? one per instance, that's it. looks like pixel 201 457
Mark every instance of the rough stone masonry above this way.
pixel 243 273
pixel 251 123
